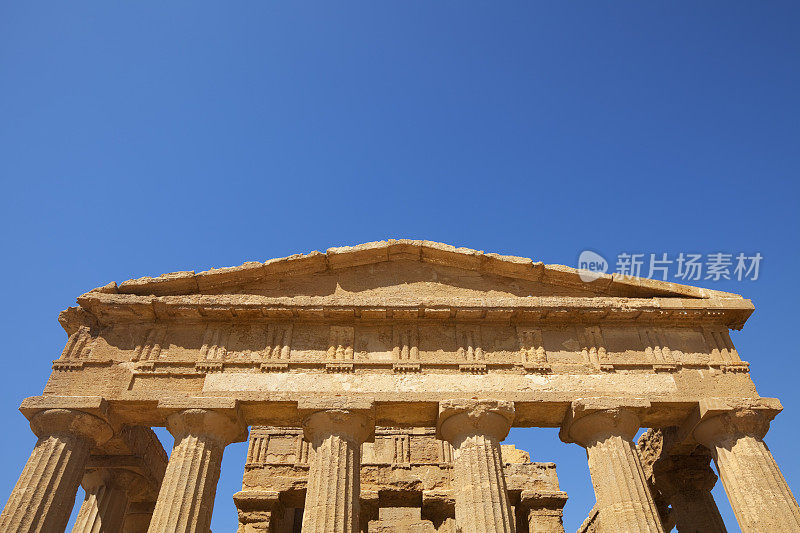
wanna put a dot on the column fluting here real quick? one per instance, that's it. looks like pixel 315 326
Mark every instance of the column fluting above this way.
pixel 44 495
pixel 623 498
pixel 760 497
pixel 186 499
pixel 475 428
pixel 103 508
pixel 334 488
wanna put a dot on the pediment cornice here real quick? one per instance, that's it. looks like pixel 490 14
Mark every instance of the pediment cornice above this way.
pixel 215 295
pixel 190 282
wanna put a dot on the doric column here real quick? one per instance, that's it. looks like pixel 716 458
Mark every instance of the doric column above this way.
pixel 138 516
pixel 332 494
pixel 681 482
pixel 623 498
pixel 759 495
pixel 475 428
pixel 103 508
pixel 686 481
pixel 186 498
pixel 44 495
pixel 544 511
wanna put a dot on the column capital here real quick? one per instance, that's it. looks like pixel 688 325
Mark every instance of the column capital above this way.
pixel 460 418
pixel 588 421
pixel 223 427
pixel 71 423
pixel 715 423
pixel 352 419
pixel 355 426
pixel 135 485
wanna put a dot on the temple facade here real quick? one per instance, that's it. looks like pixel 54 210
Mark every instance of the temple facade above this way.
pixel 376 383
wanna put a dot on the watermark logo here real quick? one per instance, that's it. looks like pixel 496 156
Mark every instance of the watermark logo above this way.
pixel 591 265
pixel 684 266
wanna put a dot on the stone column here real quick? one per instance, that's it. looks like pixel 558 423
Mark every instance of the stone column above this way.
pixel 623 498
pixel 759 495
pixel 475 428
pixel 44 495
pixel 685 482
pixel 138 516
pixel 680 479
pixel 333 490
pixel 103 508
pixel 186 498
pixel 543 511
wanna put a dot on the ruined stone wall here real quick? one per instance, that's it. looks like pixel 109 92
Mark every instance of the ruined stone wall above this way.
pixel 406 482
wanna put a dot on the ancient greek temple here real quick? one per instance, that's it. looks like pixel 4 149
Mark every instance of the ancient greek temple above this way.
pixel 375 385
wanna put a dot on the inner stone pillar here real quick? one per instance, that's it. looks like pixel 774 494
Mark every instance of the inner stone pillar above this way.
pixel 624 501
pixel 333 490
pixel 758 492
pixel 682 481
pixel 138 516
pixel 475 428
pixel 544 514
pixel 186 498
pixel 103 508
pixel 44 495
pixel 686 482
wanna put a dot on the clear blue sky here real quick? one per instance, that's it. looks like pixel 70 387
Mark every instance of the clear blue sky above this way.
pixel 139 138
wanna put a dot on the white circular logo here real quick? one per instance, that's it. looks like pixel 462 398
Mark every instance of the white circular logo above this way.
pixel 591 265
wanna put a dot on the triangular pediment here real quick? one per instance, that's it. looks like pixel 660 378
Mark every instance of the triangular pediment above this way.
pixel 404 268
pixel 415 280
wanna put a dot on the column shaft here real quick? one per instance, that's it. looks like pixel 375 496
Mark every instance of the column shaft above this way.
pixel 44 495
pixel 137 518
pixel 481 495
pixel 332 496
pixel 695 512
pixel 756 488
pixel 759 495
pixel 475 428
pixel 620 487
pixel 334 487
pixel 624 501
pixel 186 498
pixel 102 510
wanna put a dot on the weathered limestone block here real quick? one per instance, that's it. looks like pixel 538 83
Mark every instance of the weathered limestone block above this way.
pixel 43 497
pixel 332 496
pixel 400 520
pixel 186 498
pixel 624 501
pixel 682 481
pixel 475 428
pixel 544 511
pixel 756 488
pixel 256 510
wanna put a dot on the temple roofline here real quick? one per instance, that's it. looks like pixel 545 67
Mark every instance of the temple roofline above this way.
pixel 188 282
